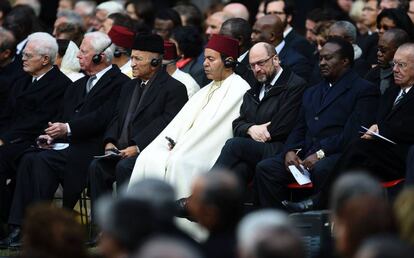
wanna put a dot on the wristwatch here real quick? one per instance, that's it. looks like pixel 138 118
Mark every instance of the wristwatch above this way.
pixel 320 154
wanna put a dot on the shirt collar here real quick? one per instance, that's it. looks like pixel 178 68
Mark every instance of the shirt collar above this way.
pixel 280 47
pixel 276 76
pixel 242 56
pixel 287 31
pixel 40 76
pixel 102 72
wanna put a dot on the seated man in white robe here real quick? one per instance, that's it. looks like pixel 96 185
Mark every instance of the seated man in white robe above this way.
pixel 192 141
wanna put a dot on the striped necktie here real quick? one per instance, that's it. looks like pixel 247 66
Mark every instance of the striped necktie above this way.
pixel 400 97
pixel 89 83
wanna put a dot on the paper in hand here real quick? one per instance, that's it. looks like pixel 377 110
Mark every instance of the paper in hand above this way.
pixel 109 155
pixel 302 178
pixel 377 135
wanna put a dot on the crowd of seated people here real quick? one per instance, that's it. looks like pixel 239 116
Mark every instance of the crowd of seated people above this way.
pixel 185 122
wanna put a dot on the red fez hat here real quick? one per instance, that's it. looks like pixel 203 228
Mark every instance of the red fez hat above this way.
pixel 224 45
pixel 170 51
pixel 121 36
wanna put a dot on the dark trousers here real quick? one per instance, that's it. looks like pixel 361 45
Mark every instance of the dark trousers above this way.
pixel 409 174
pixel 8 155
pixel 271 179
pixel 104 172
pixel 38 176
pixel 240 155
pixel 380 159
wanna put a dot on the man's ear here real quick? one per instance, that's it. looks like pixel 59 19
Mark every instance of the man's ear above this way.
pixel 289 19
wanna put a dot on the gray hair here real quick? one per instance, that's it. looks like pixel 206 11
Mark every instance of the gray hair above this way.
pixel 9 41
pixel 354 184
pixel 34 4
pixel 167 247
pixel 252 227
pixel 349 28
pixel 47 45
pixel 71 16
pixel 100 42
pixel 111 7
pixel 88 7
pixel 158 193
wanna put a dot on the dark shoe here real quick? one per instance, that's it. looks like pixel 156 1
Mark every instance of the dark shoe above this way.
pixel 182 208
pixel 302 206
pixel 13 239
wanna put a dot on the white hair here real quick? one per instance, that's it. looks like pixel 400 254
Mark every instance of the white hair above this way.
pixel 111 7
pixel 252 226
pixel 102 43
pixel 87 7
pixel 46 45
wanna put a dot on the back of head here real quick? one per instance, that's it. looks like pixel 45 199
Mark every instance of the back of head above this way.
pixel 167 247
pixel 224 192
pixel 346 28
pixel 122 19
pixel 189 40
pixel 190 15
pixel 170 15
pixel 239 29
pixel 384 246
pixel 362 217
pixel 398 36
pixel 404 210
pixel 280 242
pixel 351 185
pixel 71 17
pixel 45 222
pixel 8 41
pixel 21 21
pixel 253 226
pixel 159 194
pixel 237 10
pixel 126 220
pixel 111 7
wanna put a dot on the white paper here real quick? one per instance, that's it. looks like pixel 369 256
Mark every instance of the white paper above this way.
pixel 60 146
pixel 377 135
pixel 109 155
pixel 301 178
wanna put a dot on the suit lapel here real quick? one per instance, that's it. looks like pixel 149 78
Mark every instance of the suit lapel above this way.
pixel 403 101
pixel 337 90
pixel 104 80
pixel 39 85
pixel 280 84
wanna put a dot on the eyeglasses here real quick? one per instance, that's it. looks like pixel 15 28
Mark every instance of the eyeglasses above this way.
pixel 399 65
pixel 275 12
pixel 260 63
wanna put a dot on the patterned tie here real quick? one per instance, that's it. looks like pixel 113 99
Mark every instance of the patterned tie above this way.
pixel 89 84
pixel 398 100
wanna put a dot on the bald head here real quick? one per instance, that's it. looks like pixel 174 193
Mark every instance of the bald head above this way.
pixel 237 10
pixel 404 65
pixel 268 28
pixel 263 47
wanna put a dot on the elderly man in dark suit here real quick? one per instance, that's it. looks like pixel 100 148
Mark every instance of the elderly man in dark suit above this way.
pixel 67 148
pixel 146 105
pixel 331 115
pixel 269 28
pixel 267 115
pixel 395 121
pixel 33 101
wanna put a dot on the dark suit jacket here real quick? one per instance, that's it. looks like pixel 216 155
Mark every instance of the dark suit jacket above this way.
pixel 397 123
pixel 164 98
pixel 243 69
pixel 296 62
pixel 280 106
pixel 369 46
pixel 329 125
pixel 300 44
pixel 30 107
pixel 374 76
pixel 8 76
pixel 88 116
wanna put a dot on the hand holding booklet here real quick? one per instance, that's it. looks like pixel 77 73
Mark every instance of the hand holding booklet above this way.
pixel 110 154
pixel 301 176
pixel 377 135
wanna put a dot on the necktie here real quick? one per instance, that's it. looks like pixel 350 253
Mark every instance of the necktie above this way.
pixel 398 100
pixel 89 84
pixel 133 104
pixel 267 86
